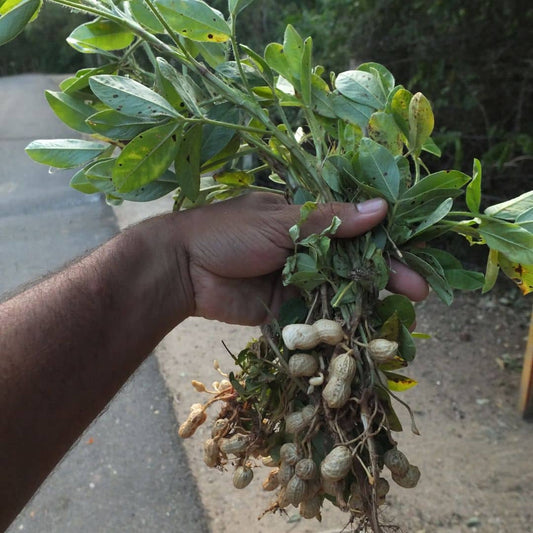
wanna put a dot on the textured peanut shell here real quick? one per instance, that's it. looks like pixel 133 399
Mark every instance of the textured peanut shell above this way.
pixel 336 464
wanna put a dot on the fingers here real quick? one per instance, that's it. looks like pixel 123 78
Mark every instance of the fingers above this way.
pixel 356 219
pixel 405 281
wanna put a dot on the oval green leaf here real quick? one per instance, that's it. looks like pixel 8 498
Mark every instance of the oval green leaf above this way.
pixel 195 20
pixel 70 110
pixel 98 35
pixel 146 157
pixel 130 97
pixel 12 22
pixel 115 125
pixel 361 87
pixel 421 122
pixel 64 153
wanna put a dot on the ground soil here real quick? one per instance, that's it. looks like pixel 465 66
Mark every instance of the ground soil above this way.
pixel 474 451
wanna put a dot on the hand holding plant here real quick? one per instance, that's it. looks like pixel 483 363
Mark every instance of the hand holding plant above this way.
pixel 181 106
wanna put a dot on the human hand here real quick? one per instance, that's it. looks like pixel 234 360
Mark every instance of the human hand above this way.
pixel 237 248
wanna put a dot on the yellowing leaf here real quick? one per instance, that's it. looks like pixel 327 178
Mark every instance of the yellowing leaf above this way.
pixel 236 178
pixel 399 383
pixel 521 274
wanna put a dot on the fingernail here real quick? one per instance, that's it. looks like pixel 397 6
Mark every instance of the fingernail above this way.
pixel 371 206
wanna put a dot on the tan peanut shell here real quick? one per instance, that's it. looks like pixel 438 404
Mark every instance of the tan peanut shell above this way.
pixel 302 364
pixel 211 453
pixel 336 464
pixel 299 420
pixel 269 461
pixel 329 331
pixel 272 480
pixel 195 419
pixel 343 366
pixel 382 350
pixel 300 336
pixel 219 427
pixel 242 477
pixel 336 392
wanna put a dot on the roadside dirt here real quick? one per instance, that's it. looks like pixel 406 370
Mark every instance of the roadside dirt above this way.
pixel 474 451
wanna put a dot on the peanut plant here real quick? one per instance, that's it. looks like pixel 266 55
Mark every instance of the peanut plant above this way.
pixel 178 106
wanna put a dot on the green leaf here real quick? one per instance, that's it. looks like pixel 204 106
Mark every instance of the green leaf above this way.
pixel 491 271
pixel 438 214
pixel 100 175
pixel 293 49
pixel 292 311
pixel 400 109
pixel 511 209
pixel 397 303
pixel 361 87
pixel 406 344
pixel 64 153
pixel 473 190
pixel 144 16
pixel 513 241
pixel 130 97
pixel 421 122
pixel 181 89
pixel 81 80
pixel 381 73
pixel 306 72
pixel 14 18
pixel 216 138
pixel 383 129
pixel 115 125
pixel 92 37
pixel 234 178
pixel 423 197
pixel 236 6
pixel 430 147
pixel 465 280
pixel 432 272
pixel 277 60
pixel 72 111
pixel 81 183
pixel 195 20
pixel 187 164
pixel 146 157
pixel 379 169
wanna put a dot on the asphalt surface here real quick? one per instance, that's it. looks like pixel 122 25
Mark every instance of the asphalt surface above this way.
pixel 129 471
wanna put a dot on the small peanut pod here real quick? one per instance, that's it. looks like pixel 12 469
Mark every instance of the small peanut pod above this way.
pixel 410 480
pixel 282 499
pixel 382 350
pixel 336 464
pixel 300 336
pixel 329 331
pixel 289 453
pixel 332 487
pixel 272 480
pixel 242 477
pixel 382 487
pixel 296 490
pixel 219 427
pixel 235 444
pixel 306 469
pixel 285 473
pixel 299 420
pixel 302 364
pixel 211 453
pixel 396 462
pixel 338 388
pixel 310 508
pixel 195 419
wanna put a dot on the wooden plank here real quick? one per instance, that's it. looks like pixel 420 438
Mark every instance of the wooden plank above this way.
pixel 526 387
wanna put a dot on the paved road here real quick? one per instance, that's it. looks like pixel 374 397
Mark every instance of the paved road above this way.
pixel 129 471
